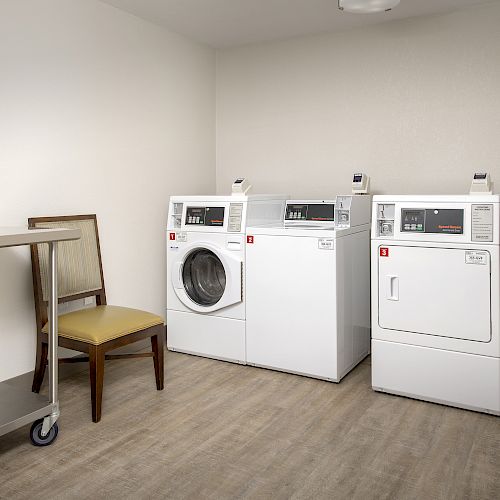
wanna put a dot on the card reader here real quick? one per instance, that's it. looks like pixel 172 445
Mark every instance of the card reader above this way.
pixel 241 186
pixel 360 184
pixel 481 184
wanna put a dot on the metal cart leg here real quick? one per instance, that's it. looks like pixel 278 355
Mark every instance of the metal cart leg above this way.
pixel 49 421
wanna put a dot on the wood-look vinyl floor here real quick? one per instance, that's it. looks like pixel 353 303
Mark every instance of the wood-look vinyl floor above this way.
pixel 220 430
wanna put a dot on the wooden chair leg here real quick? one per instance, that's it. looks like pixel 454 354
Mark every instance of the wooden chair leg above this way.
pixel 96 364
pixel 42 350
pixel 157 347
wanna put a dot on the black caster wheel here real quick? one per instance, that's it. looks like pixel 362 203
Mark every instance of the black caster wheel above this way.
pixel 36 434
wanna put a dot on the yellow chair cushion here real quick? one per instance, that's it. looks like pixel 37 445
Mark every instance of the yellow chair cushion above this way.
pixel 100 324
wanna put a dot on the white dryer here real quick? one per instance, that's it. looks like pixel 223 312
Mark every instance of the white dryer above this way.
pixel 436 299
pixel 206 271
pixel 308 288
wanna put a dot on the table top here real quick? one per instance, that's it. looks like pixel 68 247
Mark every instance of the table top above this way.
pixel 16 236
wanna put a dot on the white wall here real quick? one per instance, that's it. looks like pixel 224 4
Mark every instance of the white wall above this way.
pixel 103 112
pixel 414 103
pixel 100 112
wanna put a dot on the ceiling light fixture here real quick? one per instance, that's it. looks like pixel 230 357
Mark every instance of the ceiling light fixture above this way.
pixel 367 6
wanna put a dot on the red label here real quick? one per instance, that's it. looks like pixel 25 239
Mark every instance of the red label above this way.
pixel 384 252
pixel 172 236
pixel 250 239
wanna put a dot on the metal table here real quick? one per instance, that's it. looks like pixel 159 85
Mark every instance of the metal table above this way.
pixel 18 407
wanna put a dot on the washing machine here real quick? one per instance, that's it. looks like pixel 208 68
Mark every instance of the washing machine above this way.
pixel 308 288
pixel 435 299
pixel 206 271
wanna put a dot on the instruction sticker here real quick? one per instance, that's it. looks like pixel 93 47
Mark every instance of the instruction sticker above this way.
pixel 482 222
pixel 474 257
pixel 182 237
pixel 326 244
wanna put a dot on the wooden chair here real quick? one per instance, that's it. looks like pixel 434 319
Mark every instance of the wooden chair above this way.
pixel 95 330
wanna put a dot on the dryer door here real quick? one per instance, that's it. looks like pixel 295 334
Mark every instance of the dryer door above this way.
pixel 206 279
pixel 435 291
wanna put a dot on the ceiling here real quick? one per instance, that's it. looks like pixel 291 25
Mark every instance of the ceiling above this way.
pixel 226 23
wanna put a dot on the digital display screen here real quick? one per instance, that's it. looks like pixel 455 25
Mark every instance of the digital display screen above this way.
pixel 357 178
pixel 238 181
pixel 204 216
pixel 479 176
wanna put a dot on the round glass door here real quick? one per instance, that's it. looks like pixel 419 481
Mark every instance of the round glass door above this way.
pixel 204 277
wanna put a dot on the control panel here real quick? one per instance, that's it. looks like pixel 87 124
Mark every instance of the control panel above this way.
pixel 204 216
pixel 432 220
pixel 344 212
pixel 423 220
pixel 313 212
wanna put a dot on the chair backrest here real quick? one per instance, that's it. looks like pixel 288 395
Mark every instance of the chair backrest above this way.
pixel 79 264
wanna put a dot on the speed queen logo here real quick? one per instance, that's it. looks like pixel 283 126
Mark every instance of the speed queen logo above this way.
pixel 250 240
pixel 384 252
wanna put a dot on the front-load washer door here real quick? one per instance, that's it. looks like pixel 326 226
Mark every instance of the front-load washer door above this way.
pixel 204 277
pixel 435 291
pixel 207 279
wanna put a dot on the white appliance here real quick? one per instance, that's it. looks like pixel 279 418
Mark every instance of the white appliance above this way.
pixel 308 288
pixel 435 299
pixel 206 271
